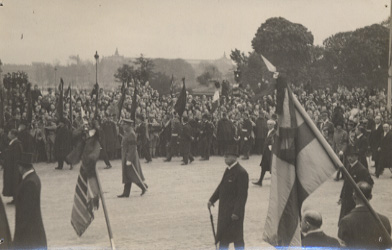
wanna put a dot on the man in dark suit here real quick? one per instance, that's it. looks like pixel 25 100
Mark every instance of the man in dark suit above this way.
pixel 359 229
pixel 246 130
pixel 361 144
pixel 232 193
pixel 144 138
pixel 225 133
pixel 62 142
pixel 29 228
pixel 267 152
pixel 374 143
pixel 312 235
pixel 11 176
pixel 186 139
pixel 327 124
pixel 261 131
pixel 359 173
pixel 385 150
pixel 206 133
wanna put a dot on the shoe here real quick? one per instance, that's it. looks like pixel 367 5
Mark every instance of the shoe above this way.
pixel 167 160
pixel 257 183
pixel 11 202
pixel 145 184
pixel 122 196
pixel 190 160
pixel 184 163
pixel 58 168
pixel 143 192
pixel 203 159
pixel 108 167
pixel 71 167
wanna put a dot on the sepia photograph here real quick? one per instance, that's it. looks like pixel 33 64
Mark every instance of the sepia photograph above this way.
pixel 200 125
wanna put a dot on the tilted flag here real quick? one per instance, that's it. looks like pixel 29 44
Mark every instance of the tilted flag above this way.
pixel 269 65
pixel 171 86
pixel 179 107
pixel 134 104
pixel 60 103
pixel 300 164
pixel 215 98
pixel 86 197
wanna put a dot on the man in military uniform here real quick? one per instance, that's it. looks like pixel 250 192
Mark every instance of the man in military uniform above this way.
pixel 131 168
pixel 175 128
pixel 246 130
pixel 63 142
pixel 206 134
pixel 144 139
pixel 185 141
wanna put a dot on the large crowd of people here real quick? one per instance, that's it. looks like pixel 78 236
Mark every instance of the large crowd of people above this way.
pixel 241 116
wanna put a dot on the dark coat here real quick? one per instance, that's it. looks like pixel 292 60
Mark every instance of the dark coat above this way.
pixel 225 130
pixel 11 175
pixel 385 156
pixel 27 140
pixel 261 128
pixel 29 228
pixel 359 229
pixel 319 239
pixel 246 129
pixel 359 173
pixel 266 160
pixel 4 228
pixel 109 131
pixel 186 134
pixel 374 141
pixel 361 144
pixel 232 193
pixel 63 142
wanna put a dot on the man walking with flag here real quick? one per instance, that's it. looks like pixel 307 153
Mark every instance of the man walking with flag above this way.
pixel 131 168
pixel 232 193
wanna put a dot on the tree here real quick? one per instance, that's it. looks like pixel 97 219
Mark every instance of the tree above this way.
pixel 145 69
pixel 179 68
pixel 287 45
pixel 161 82
pixel 211 72
pixel 125 74
pixel 359 57
pixel 241 60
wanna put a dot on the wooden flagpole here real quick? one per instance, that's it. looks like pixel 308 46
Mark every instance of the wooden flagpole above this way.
pixel 105 211
pixel 335 159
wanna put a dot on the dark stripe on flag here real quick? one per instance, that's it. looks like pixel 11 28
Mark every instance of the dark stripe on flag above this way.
pixel 306 135
pixel 285 145
pixel 82 184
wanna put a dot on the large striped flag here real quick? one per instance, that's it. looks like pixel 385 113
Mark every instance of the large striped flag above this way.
pixel 87 190
pixel 300 164
pixel 179 107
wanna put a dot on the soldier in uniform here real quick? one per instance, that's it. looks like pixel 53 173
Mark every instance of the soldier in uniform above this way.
pixel 246 130
pixel 175 128
pixel 62 142
pixel 186 139
pixel 206 134
pixel 131 168
pixel 144 138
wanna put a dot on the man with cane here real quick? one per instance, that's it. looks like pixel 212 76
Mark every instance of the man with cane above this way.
pixel 232 193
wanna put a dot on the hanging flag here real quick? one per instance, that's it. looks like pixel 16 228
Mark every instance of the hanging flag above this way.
pixel 215 98
pixel 86 197
pixel 134 104
pixel 121 101
pixel 60 103
pixel 179 107
pixel 300 164
pixel 269 65
pixel 29 112
pixel 172 86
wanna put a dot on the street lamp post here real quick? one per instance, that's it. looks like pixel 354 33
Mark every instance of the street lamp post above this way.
pixel 96 56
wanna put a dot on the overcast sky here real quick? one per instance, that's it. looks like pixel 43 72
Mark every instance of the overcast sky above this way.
pixel 199 29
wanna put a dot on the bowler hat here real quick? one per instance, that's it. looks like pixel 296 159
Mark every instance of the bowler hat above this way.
pixel 232 150
pixel 352 151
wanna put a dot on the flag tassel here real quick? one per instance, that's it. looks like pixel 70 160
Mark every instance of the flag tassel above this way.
pixel 340 165
pixel 105 211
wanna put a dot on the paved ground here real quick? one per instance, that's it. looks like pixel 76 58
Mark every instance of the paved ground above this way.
pixel 173 214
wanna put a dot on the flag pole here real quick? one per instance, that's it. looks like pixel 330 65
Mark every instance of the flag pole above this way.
pixel 105 211
pixel 335 159
pixel 389 63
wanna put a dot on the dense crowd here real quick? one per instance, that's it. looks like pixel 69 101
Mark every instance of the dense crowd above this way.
pixel 242 115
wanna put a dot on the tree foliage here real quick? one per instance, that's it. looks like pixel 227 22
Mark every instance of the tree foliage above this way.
pixel 145 70
pixel 287 45
pixel 126 74
pixel 211 72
